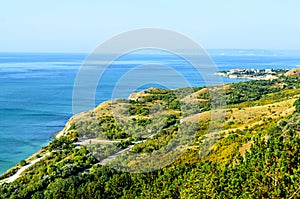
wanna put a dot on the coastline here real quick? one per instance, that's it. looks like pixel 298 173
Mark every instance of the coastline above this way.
pixel 33 158
pixel 247 77
pixel 11 171
pixel 253 74
pixel 62 132
pixel 37 155
pixel 18 169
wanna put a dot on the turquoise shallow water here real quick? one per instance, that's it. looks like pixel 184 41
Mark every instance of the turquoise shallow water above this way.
pixel 36 90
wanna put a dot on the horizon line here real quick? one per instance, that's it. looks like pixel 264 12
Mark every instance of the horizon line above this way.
pixel 81 52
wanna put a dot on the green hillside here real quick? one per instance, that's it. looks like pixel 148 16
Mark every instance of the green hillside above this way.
pixel 251 152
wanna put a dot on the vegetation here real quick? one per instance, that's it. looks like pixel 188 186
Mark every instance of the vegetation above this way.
pixel 252 153
pixel 23 163
pixel 297 105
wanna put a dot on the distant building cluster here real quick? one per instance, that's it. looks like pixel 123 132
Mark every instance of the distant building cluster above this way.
pixel 253 73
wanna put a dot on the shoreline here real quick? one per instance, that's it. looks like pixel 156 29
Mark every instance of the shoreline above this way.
pixel 253 73
pixel 246 77
pixel 41 153
pixel 58 134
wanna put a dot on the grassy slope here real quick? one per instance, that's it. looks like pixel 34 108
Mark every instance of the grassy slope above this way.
pixel 243 122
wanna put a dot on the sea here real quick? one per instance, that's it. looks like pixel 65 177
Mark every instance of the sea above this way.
pixel 36 89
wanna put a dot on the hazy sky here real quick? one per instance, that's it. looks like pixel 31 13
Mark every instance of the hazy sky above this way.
pixel 79 26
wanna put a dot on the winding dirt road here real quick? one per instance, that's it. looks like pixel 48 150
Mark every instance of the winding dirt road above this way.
pixel 21 170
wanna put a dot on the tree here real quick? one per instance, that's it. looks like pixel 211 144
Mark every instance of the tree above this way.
pixel 23 163
pixel 297 105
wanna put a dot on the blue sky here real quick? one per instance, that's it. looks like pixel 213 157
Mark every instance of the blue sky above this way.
pixel 79 26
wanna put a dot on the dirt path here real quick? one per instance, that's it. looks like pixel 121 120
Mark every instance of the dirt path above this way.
pixel 21 170
pixel 94 141
pixel 111 157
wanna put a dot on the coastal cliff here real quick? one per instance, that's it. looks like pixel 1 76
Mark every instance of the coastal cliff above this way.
pixel 259 133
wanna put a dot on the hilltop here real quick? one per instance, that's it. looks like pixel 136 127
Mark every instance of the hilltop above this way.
pixel 253 151
pixel 293 72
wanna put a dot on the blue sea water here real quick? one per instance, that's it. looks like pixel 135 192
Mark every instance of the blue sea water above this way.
pixel 36 90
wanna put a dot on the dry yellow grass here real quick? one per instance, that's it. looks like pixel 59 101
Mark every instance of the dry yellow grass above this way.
pixel 293 72
pixel 245 147
pixel 136 95
pixel 250 115
pixel 199 117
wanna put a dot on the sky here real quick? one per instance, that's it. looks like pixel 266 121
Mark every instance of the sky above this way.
pixel 80 26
